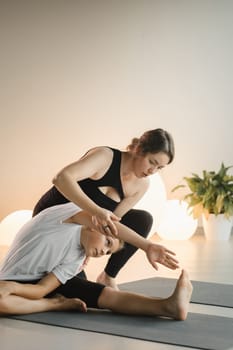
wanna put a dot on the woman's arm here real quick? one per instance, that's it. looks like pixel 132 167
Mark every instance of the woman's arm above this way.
pixel 155 252
pixel 28 290
pixel 93 165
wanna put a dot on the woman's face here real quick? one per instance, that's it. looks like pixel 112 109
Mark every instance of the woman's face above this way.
pixel 149 164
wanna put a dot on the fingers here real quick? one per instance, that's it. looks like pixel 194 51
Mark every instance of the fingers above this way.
pixel 170 252
pixel 115 218
pixel 94 220
pixel 110 229
pixel 155 266
pixel 170 262
pixel 105 225
pixel 159 254
pixel 172 259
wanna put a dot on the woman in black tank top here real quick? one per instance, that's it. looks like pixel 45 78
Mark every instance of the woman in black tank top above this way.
pixel 95 184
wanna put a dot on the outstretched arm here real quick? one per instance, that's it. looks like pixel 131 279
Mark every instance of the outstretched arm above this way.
pixel 155 253
pixel 28 290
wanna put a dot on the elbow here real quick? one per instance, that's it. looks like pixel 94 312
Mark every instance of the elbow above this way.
pixel 58 179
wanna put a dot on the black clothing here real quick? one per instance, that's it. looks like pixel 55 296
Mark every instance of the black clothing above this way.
pixel 90 187
pixel 76 287
pixel 138 220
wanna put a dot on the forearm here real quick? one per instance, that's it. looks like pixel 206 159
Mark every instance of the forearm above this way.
pixel 154 252
pixel 130 236
pixel 28 290
pixel 73 192
pixel 83 218
pixel 36 291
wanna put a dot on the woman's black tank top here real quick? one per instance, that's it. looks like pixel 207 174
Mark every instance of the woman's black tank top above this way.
pixel 91 188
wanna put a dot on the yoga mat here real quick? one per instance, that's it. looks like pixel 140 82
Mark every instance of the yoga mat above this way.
pixel 198 330
pixel 216 294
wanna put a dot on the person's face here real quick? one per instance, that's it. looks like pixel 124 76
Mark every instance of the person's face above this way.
pixel 149 164
pixel 97 244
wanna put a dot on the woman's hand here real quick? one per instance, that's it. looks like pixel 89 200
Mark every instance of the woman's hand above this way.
pixel 158 253
pixel 104 222
pixel 6 288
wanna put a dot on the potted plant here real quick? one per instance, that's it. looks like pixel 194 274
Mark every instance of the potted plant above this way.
pixel 211 197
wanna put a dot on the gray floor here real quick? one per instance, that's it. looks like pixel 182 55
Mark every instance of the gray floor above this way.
pixel 205 261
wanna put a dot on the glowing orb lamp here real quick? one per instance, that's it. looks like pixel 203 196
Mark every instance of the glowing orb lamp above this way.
pixel 176 223
pixel 154 200
pixel 11 224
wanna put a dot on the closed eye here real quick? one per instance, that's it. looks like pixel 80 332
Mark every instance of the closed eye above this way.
pixel 156 164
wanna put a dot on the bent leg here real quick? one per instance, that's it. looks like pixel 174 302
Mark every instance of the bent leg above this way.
pixel 176 306
pixel 75 294
pixel 141 222
pixel 15 305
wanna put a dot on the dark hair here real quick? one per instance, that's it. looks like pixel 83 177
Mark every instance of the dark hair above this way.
pixel 154 141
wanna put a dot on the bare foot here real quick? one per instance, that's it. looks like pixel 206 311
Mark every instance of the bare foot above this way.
pixel 178 303
pixel 108 281
pixel 62 303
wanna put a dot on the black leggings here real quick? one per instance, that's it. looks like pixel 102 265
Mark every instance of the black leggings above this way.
pixel 141 222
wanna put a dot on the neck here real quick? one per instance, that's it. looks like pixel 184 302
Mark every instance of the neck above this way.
pixel 127 164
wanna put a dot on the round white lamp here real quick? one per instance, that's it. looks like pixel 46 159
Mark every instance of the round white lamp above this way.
pixel 154 200
pixel 11 224
pixel 177 222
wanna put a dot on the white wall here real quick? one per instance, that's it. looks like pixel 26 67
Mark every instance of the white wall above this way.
pixel 74 74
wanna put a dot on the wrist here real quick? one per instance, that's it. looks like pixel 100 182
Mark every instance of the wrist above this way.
pixel 148 245
pixel 96 210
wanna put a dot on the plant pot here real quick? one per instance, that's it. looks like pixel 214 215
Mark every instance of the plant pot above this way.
pixel 217 227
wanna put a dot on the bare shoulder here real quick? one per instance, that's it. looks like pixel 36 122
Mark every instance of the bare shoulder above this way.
pixel 97 160
pixel 100 152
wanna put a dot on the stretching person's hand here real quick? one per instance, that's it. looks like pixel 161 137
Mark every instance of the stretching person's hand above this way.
pixel 104 222
pixel 157 253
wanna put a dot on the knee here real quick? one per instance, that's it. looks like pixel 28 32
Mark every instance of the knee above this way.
pixel 107 298
pixel 140 221
pixel 146 217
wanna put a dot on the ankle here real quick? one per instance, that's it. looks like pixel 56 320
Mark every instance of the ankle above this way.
pixel 107 280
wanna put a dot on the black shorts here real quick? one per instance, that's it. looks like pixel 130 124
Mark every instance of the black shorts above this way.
pixel 76 287
pixel 85 290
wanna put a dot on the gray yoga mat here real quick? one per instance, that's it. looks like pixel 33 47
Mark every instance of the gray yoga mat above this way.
pixel 198 331
pixel 203 292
